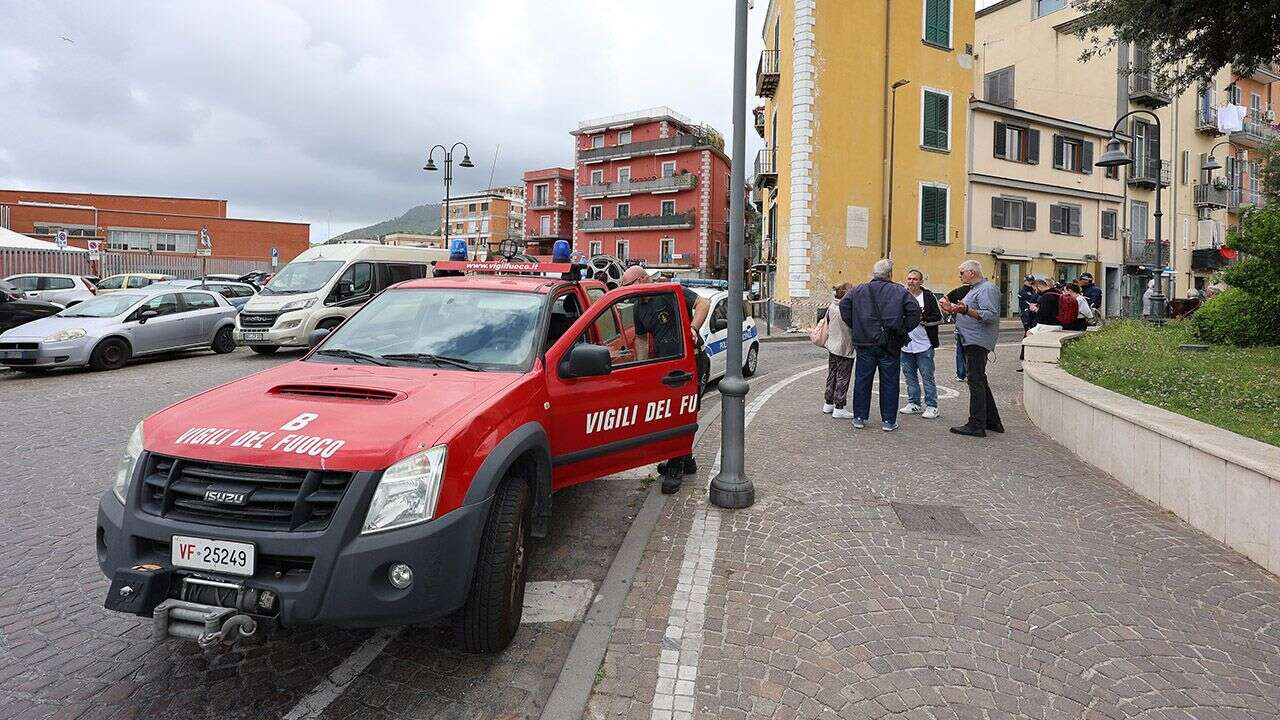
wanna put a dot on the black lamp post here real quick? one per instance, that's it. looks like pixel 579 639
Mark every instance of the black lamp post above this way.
pixel 893 134
pixel 1115 156
pixel 448 175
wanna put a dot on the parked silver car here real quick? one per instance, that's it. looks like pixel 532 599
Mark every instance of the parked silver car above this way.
pixel 236 293
pixel 105 332
pixel 66 290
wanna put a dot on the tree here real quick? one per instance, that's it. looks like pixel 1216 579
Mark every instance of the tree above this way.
pixel 1189 40
pixel 1269 162
pixel 1248 313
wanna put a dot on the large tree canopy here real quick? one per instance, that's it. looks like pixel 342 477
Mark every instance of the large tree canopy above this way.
pixel 1189 40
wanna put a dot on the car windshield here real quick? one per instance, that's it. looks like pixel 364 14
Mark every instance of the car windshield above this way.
pixel 103 306
pixel 430 327
pixel 302 277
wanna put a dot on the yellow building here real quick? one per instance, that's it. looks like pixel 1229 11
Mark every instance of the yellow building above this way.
pixel 831 122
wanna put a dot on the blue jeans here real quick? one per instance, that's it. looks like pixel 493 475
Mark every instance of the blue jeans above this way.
pixel 871 359
pixel 960 364
pixel 917 367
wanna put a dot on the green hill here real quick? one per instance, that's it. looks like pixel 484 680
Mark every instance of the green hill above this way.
pixel 420 219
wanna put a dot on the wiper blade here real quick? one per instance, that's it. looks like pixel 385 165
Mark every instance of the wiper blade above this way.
pixel 352 355
pixel 437 359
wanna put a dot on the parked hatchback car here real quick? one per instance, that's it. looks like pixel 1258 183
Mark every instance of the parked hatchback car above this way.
pixel 16 309
pixel 130 281
pixel 66 290
pixel 236 293
pixel 105 332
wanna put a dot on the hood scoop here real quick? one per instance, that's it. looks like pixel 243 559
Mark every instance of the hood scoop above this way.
pixel 337 392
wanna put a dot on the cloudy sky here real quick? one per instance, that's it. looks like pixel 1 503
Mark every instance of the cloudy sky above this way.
pixel 322 112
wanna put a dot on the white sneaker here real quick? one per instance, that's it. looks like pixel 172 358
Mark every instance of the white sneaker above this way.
pixel 842 414
pixel 911 409
pixel 826 409
pixel 930 413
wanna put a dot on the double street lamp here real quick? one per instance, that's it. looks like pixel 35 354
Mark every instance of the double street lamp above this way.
pixel 448 174
pixel 1115 156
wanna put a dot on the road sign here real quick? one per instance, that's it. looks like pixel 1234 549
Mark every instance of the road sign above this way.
pixel 204 248
pixel 94 247
pixel 275 257
pixel 61 239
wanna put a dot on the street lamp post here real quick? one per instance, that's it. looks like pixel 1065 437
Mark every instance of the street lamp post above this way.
pixel 731 488
pixel 1115 156
pixel 448 174
pixel 893 135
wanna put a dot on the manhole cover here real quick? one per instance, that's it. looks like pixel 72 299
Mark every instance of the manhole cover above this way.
pixel 935 519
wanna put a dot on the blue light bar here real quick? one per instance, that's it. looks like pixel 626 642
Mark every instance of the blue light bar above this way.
pixel 704 283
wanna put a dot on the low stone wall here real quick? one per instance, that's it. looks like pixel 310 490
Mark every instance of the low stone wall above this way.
pixel 1224 484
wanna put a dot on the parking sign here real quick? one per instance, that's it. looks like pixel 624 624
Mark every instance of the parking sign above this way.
pixel 275 257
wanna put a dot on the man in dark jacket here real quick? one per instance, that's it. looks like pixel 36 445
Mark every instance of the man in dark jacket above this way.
pixel 1091 292
pixel 1027 297
pixel 880 314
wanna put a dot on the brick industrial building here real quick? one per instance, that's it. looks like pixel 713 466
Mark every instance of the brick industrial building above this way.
pixel 548 208
pixel 650 186
pixel 142 224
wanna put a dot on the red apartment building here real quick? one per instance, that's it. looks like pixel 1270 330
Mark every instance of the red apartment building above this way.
pixel 160 225
pixel 651 187
pixel 548 201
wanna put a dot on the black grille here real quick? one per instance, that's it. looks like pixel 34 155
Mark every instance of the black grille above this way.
pixel 19 346
pixel 257 320
pixel 281 498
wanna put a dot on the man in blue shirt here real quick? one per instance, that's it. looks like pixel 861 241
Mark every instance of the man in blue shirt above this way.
pixel 978 321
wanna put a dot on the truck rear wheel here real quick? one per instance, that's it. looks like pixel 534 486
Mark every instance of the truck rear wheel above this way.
pixel 491 616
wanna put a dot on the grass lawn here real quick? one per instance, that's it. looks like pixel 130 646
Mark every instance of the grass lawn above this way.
pixel 1234 388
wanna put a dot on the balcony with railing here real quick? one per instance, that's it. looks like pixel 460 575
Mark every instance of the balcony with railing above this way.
pixel 1257 131
pixel 1210 259
pixel 767 74
pixel 1143 252
pixel 1150 173
pixel 672 183
pixel 1145 89
pixel 636 149
pixel 547 202
pixel 672 221
pixel 1207 121
pixel 1210 196
pixel 759 120
pixel 766 174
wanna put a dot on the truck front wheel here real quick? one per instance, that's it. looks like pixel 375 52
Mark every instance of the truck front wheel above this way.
pixel 491 616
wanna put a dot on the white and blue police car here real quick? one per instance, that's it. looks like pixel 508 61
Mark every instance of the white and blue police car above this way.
pixel 714 329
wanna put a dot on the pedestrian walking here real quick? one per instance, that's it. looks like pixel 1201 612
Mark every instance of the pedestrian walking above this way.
pixel 917 356
pixel 839 358
pixel 880 314
pixel 956 296
pixel 1146 298
pixel 978 319
pixel 1090 291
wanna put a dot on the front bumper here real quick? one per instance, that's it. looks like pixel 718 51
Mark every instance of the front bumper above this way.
pixel 294 336
pixel 332 577
pixel 68 353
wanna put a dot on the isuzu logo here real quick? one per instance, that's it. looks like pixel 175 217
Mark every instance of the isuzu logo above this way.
pixel 226 497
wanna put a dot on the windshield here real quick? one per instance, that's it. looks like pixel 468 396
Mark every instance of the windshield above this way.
pixel 103 306
pixel 475 329
pixel 302 277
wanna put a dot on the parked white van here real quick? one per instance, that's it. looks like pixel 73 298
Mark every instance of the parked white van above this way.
pixel 324 286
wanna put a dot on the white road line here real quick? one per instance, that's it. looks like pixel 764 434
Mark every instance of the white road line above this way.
pixel 557 601
pixel 682 643
pixel 331 687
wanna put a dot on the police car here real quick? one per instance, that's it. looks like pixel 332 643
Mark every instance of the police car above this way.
pixel 714 331
pixel 393 474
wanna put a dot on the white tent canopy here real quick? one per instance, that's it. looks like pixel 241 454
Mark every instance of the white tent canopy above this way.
pixel 10 240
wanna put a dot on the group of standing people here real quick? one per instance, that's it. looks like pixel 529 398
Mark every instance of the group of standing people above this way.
pixel 883 328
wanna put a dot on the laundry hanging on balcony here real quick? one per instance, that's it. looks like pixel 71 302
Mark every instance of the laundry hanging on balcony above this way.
pixel 1231 118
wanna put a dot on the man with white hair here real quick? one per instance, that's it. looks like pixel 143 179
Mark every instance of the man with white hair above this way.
pixel 978 320
pixel 880 314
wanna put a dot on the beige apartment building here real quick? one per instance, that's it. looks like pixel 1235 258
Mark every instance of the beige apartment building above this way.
pixel 1030 82
pixel 485 219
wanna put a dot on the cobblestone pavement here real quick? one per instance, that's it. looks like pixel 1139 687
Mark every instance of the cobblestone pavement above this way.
pixel 1068 597
pixel 62 655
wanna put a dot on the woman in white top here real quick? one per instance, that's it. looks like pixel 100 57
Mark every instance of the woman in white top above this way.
pixel 840 355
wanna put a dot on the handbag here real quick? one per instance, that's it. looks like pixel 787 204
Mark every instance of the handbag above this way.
pixel 890 340
pixel 819 334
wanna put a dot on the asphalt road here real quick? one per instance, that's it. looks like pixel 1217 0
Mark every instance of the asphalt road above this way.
pixel 62 655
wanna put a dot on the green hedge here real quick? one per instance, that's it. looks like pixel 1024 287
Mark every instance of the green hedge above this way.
pixel 1237 317
pixel 1249 313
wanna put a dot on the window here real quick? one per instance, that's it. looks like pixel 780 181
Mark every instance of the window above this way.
pixel 1016 143
pixel 998 86
pixel 597 177
pixel 597 141
pixel 1137 223
pixel 1235 94
pixel 484 207
pixel 540 195
pixel 594 248
pixel 937 23
pixel 484 226
pixel 622 249
pixel 668 207
pixel 1109 220
pixel 720 312
pixel 1044 7
pixel 137 281
pixel 933 213
pixel 1255 104
pixel 595 212
pixel 471 208
pixel 669 168
pixel 198 301
pixel 166 304
pixel 667 250
pixel 1113 173
pixel 58 283
pixel 1011 213
pixel 399 272
pixel 935 120
pixel 624 137
pixel 1073 154
pixel 29 283
pixel 624 210
pixel 544 226
pixel 160 240
pixel 624 174
pixel 659 325
pixel 607 332
pixel 111 283
pixel 358 277
pixel 1064 219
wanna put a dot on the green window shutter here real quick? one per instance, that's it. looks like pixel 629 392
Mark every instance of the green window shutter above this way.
pixel 936 120
pixel 937 22
pixel 933 215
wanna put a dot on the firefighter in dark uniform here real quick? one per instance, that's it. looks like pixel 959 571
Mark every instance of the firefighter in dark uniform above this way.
pixel 660 318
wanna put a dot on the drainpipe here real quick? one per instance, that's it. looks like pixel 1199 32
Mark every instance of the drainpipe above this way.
pixel 884 172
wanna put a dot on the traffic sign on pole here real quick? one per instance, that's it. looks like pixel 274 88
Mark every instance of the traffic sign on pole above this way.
pixel 204 248
pixel 61 239
pixel 275 257
pixel 94 247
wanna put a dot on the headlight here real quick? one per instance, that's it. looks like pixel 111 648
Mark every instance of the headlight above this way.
pixel 298 305
pixel 124 473
pixel 408 492
pixel 66 334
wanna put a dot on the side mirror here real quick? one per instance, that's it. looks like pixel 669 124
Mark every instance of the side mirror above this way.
pixel 146 315
pixel 719 324
pixel 345 288
pixel 586 360
pixel 317 336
